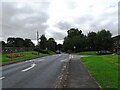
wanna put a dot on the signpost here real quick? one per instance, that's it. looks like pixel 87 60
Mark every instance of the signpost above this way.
pixel 74 48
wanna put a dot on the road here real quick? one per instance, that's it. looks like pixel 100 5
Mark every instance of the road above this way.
pixel 36 73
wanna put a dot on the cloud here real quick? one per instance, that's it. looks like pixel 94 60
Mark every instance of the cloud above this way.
pixel 71 4
pixel 54 17
pixel 20 19
pixel 58 35
pixel 63 25
pixel 83 19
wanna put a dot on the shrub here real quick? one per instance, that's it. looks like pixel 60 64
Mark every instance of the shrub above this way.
pixel 41 51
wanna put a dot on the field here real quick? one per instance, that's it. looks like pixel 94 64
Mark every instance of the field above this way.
pixel 104 69
pixel 88 53
pixel 29 54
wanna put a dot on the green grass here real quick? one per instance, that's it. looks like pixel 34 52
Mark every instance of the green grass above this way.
pixel 27 55
pixel 88 53
pixel 104 69
pixel 51 52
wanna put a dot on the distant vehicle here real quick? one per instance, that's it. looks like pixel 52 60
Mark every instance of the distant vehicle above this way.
pixel 69 51
pixel 58 52
pixel 103 52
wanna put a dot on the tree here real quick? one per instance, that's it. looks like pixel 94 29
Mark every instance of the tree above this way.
pixel 103 40
pixel 2 43
pixel 76 39
pixel 19 42
pixel 11 42
pixel 74 32
pixel 91 40
pixel 43 42
pixel 28 43
pixel 51 44
pixel 60 47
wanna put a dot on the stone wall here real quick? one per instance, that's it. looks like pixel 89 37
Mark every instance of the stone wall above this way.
pixel 15 49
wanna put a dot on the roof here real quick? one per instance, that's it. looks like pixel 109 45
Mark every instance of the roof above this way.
pixel 116 37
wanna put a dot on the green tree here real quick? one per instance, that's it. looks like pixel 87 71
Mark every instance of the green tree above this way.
pixel 74 32
pixel 11 42
pixel 51 44
pixel 28 43
pixel 19 42
pixel 103 40
pixel 75 39
pixel 60 47
pixel 43 42
pixel 2 43
pixel 91 40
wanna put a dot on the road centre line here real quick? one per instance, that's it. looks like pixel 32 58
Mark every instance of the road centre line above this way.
pixel 29 60
pixel 63 60
pixel 70 56
pixel 32 66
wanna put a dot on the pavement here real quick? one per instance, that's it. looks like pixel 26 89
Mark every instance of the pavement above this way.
pixel 36 73
pixel 79 76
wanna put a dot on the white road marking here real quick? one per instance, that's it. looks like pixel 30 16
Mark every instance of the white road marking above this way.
pixel 72 56
pixel 33 60
pixel 65 60
pixel 2 78
pixel 69 56
pixel 40 60
pixel 33 65
pixel 29 61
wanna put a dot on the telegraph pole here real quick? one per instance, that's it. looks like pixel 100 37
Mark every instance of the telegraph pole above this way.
pixel 37 37
pixel 37 40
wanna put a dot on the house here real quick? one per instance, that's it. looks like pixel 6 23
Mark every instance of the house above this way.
pixel 116 44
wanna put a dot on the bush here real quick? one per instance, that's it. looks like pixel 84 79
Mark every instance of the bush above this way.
pixel 41 51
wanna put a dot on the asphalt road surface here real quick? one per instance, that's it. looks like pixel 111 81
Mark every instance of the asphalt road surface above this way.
pixel 36 73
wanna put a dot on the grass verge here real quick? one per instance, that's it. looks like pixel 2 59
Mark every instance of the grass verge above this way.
pixel 88 53
pixel 104 69
pixel 29 54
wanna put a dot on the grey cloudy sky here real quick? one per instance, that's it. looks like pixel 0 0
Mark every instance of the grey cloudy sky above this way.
pixel 23 18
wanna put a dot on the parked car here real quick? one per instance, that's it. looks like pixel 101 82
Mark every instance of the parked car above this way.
pixel 58 52
pixel 103 52
pixel 118 52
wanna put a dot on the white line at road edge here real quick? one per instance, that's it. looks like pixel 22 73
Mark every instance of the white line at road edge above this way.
pixel 32 66
pixel 2 78
pixel 34 60
pixel 29 61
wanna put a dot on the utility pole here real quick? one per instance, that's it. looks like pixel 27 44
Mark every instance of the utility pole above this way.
pixel 37 40
pixel 37 37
